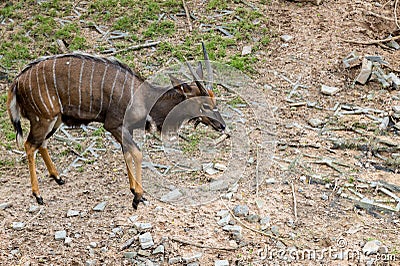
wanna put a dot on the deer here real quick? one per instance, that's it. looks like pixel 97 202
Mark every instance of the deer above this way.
pixel 77 89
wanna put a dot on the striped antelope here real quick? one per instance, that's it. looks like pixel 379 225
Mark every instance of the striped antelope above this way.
pixel 78 89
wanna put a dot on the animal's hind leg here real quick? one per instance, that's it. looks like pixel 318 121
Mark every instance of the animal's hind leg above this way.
pixel 46 157
pixel 30 153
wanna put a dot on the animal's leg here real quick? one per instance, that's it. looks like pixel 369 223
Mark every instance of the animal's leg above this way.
pixel 131 153
pixel 46 157
pixel 30 153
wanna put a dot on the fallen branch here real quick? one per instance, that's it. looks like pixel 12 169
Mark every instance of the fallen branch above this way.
pixel 294 202
pixel 374 41
pixel 136 47
pixel 187 15
pixel 201 246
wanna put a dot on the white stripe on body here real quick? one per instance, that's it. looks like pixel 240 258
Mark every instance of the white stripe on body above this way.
pixel 46 87
pixel 80 87
pixel 112 89
pixel 39 91
pixel 55 84
pixel 101 91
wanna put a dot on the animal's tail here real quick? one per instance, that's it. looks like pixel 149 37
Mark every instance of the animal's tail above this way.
pixel 14 113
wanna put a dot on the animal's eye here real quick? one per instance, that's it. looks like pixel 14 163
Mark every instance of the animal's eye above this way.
pixel 206 106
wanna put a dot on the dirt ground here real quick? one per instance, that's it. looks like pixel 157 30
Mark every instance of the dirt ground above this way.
pixel 300 192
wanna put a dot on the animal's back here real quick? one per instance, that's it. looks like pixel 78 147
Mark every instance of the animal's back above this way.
pixel 80 87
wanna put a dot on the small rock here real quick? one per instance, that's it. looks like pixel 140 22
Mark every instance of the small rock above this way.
pixel 60 235
pixel 225 220
pixel 100 207
pixel 235 229
pixel 117 230
pixel 130 254
pixel 351 60
pixel 128 243
pixel 365 73
pixel 246 50
pixel 159 250
pixel 158 209
pixel 33 208
pixel 270 181
pixel 396 109
pixel 220 166
pixel 324 196
pixel 144 253
pixel 142 226
pixel 90 262
pixel 275 230
pixel 5 205
pixel 303 179
pixel 286 38
pixel 222 213
pixel 221 263
pixel 93 244
pixel 174 260
pixel 146 240
pixel 329 90
pixel 384 124
pixel 192 258
pixel 393 44
pixel 14 252
pixel 265 220
pixel 211 171
pixel 252 218
pixel 260 203
pixel 172 195
pixel 251 160
pixel 18 226
pixel 227 196
pixel 241 210
pixel 315 122
pixel 395 80
pixel 371 247
pixel 383 250
pixel 67 241
pixel 133 218
pixel 72 213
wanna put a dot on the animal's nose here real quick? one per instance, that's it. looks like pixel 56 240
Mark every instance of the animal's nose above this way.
pixel 223 127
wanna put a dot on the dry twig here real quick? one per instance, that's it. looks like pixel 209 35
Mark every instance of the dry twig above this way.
pixel 187 15
pixel 294 202
pixel 199 245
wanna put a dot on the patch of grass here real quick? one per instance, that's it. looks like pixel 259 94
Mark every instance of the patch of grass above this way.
pixel 192 143
pixel 99 132
pixel 217 5
pixel 7 163
pixel 162 28
pixel 243 63
pixel 236 101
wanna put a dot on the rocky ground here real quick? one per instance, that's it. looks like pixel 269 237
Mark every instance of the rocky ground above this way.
pixel 329 188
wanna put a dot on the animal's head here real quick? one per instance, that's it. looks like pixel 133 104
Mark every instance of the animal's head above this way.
pixel 205 104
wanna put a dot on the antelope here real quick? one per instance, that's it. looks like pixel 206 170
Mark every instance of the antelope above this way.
pixel 77 89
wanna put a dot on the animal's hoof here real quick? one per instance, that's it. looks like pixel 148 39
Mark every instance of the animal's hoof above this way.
pixel 58 179
pixel 136 201
pixel 39 199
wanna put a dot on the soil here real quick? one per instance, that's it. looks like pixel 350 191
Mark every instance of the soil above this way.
pixel 301 180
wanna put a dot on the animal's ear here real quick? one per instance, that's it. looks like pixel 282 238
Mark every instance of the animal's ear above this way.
pixel 181 86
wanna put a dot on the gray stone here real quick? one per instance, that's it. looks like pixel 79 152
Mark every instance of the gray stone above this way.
pixel 172 195
pixel 220 166
pixel 365 73
pixel 146 240
pixel 225 220
pixel 351 60
pixel 260 203
pixel 159 250
pixel 371 247
pixel 241 210
pixel 315 122
pixel 303 179
pixel 221 263
pixel 235 229
pixel 117 230
pixel 395 80
pixel 324 196
pixel 144 253
pixel 246 50
pixel 384 124
pixel 128 243
pixel 270 181
pixel 265 220
pixel 227 196
pixel 222 213
pixel 192 258
pixel 33 208
pixel 142 226
pixel 286 38
pixel 211 171
pixel 396 109
pixel 93 244
pixel 90 262
pixel 67 241
pixel 133 218
pixel 130 254
pixel 18 226
pixel 174 260
pixel 275 230
pixel 393 44
pixel 383 250
pixel 5 205
pixel 72 213
pixel 252 218
pixel 60 235
pixel 100 207
pixel 329 90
